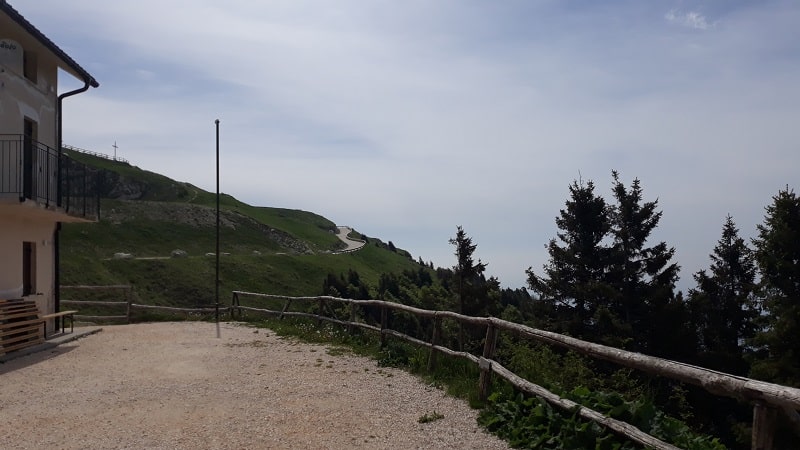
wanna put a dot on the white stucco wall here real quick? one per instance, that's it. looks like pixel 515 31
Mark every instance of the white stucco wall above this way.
pixel 19 96
pixel 15 231
pixel 22 98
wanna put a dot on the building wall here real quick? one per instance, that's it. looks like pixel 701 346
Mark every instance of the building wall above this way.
pixel 19 96
pixel 15 232
pixel 22 98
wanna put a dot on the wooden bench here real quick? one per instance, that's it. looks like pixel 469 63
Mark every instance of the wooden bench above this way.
pixel 64 315
pixel 20 325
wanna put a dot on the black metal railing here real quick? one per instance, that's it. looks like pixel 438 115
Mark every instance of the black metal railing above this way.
pixel 80 188
pixel 30 170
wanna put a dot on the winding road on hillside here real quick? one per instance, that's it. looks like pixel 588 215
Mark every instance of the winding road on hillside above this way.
pixel 352 244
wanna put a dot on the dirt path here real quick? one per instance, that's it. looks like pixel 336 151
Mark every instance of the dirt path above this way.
pixel 352 244
pixel 175 385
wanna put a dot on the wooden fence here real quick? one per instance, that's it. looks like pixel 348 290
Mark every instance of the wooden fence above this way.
pixel 121 291
pixel 124 292
pixel 768 399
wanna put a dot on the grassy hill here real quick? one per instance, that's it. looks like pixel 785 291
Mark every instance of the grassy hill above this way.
pixel 148 216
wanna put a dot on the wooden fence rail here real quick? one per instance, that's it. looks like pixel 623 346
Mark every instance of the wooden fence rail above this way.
pixel 124 290
pixel 128 304
pixel 767 398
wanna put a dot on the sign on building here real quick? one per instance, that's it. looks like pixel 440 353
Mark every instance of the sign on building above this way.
pixel 11 55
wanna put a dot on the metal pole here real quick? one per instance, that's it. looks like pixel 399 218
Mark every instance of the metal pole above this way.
pixel 216 284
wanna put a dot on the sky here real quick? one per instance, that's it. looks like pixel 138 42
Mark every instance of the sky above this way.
pixel 407 119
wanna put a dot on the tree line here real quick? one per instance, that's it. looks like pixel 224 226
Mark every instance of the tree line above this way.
pixel 605 281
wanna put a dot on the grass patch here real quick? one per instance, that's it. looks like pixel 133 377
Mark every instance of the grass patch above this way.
pixel 189 281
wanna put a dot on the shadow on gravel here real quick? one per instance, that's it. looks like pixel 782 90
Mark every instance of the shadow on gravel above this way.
pixel 11 363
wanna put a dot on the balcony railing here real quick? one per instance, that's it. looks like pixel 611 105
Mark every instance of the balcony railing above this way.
pixel 30 170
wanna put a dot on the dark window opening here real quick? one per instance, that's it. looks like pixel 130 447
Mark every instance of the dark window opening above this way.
pixel 30 68
pixel 28 268
pixel 30 128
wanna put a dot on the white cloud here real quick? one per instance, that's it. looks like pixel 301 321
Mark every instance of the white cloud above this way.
pixel 691 19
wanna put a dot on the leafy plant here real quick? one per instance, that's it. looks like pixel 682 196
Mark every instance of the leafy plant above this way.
pixel 432 417
pixel 529 422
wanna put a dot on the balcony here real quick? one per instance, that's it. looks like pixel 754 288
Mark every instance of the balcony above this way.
pixel 35 175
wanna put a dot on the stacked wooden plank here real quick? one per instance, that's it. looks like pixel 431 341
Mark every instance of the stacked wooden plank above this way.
pixel 20 325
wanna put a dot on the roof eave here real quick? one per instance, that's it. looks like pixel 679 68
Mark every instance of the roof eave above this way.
pixel 47 43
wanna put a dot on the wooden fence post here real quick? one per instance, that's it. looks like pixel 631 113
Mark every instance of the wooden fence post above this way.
pixel 763 426
pixel 352 318
pixel 437 334
pixel 485 380
pixel 234 304
pixel 128 298
pixel 331 311
pixel 285 308
pixel 384 323
pixel 321 312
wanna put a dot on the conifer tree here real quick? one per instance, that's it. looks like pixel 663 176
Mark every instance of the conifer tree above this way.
pixel 574 278
pixel 468 272
pixel 723 305
pixel 644 313
pixel 777 253
pixel 476 294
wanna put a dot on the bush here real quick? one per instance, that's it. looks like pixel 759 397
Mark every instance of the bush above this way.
pixel 529 422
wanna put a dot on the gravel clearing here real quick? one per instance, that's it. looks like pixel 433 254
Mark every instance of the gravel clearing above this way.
pixel 175 385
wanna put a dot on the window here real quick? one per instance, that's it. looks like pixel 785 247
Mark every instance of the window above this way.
pixel 30 66
pixel 28 268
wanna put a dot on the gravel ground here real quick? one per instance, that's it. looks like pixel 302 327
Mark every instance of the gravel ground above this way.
pixel 175 385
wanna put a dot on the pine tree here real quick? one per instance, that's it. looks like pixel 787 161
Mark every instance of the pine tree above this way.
pixel 645 315
pixel 723 305
pixel 473 289
pixel 468 272
pixel 574 278
pixel 777 253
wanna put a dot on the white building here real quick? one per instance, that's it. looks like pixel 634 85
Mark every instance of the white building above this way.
pixel 39 187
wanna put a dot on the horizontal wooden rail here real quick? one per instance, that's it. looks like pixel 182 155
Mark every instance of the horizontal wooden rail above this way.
pixel 128 304
pixel 782 398
pixel 715 382
pixel 209 309
pixel 90 302
pixel 78 316
pixel 97 288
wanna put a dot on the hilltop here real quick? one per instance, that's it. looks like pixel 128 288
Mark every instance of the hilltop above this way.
pixel 156 234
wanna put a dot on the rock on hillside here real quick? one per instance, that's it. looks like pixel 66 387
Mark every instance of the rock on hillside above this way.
pixel 145 186
pixel 197 216
pixel 114 185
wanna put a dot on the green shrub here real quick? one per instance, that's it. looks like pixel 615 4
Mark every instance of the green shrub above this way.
pixel 529 422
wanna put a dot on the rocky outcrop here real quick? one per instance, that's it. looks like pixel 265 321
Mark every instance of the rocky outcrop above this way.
pixel 116 186
pixel 283 239
pixel 200 217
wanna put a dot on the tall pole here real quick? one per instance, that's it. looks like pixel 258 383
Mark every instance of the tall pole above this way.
pixel 216 283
